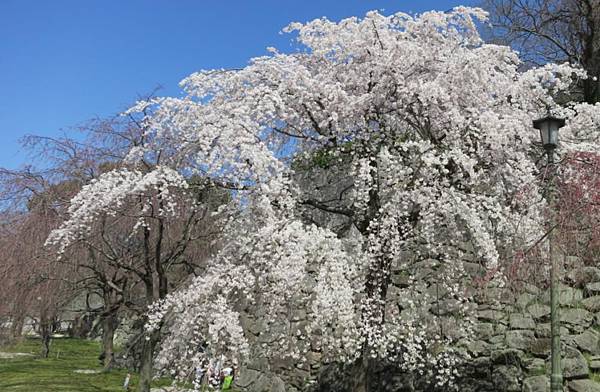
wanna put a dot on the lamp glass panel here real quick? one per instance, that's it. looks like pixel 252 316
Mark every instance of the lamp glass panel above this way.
pixel 553 132
pixel 544 132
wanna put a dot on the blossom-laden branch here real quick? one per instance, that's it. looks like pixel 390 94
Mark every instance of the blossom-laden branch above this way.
pixel 107 194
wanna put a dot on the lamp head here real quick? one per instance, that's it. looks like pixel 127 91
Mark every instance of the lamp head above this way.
pixel 549 127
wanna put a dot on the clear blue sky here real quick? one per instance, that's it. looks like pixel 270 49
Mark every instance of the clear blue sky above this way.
pixel 63 62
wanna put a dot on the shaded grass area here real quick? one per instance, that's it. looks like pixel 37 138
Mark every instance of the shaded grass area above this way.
pixel 56 373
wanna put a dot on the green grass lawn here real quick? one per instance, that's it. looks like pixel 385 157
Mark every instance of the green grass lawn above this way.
pixel 33 374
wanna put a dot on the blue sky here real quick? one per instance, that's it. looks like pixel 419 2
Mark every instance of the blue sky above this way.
pixel 63 62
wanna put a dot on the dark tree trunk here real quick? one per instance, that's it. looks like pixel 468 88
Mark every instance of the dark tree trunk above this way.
pixel 148 346
pixel 109 324
pixel 361 381
pixel 46 336
pixel 591 57
pixel 45 345
pixel 591 91
pixel 156 287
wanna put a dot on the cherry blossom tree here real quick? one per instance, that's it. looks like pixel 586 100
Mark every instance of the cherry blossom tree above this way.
pixel 147 230
pixel 428 131
pixel 114 260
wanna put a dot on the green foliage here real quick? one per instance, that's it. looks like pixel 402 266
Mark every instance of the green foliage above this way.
pixel 324 157
pixel 56 373
pixel 321 158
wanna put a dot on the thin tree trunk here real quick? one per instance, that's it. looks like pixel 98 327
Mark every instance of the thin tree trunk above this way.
pixel 591 91
pixel 108 333
pixel 45 334
pixel 146 359
pixel 156 287
pixel 45 345
pixel 361 381
pixel 150 340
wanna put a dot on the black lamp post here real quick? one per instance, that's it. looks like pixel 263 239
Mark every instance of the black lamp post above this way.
pixel 549 127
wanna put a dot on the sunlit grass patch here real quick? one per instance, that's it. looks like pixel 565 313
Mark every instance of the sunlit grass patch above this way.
pixel 57 373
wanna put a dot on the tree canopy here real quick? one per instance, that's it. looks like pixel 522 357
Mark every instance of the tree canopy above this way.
pixel 428 127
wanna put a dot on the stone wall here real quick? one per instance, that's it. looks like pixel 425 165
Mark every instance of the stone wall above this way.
pixel 510 349
pixel 512 346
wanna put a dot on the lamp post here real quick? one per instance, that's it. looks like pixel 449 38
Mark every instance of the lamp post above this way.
pixel 549 127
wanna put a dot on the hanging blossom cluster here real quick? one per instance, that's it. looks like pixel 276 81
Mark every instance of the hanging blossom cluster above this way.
pixel 430 126
pixel 265 270
pixel 108 193
pixel 582 131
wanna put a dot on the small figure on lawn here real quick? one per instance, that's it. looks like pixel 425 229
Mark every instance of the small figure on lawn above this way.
pixel 228 374
pixel 126 383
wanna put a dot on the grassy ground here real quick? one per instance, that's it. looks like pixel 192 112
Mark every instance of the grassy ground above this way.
pixel 32 374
